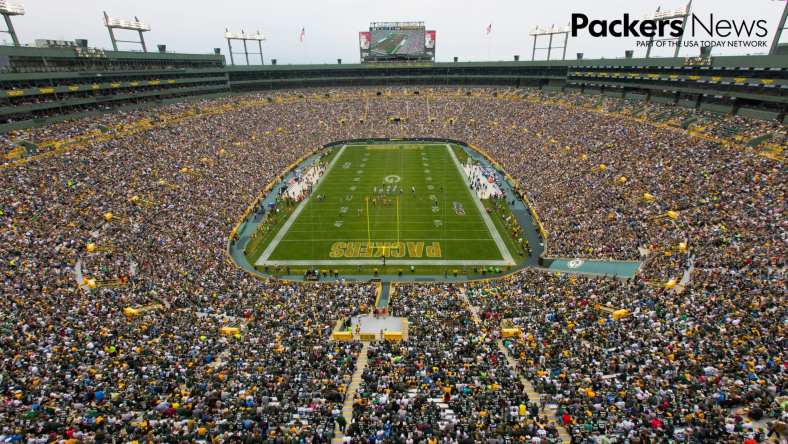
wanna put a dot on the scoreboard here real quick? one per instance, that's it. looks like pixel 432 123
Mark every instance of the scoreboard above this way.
pixel 396 41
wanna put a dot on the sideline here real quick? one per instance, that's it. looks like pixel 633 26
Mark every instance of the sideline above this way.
pixel 263 259
pixel 505 253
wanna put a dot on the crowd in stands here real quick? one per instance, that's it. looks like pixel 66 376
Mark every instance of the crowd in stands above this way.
pixel 724 128
pixel 158 200
pixel 75 364
pixel 448 382
pixel 703 365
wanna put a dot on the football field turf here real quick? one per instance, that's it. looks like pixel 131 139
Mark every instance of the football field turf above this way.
pixel 408 202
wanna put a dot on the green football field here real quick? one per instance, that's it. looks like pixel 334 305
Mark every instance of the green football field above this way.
pixel 409 203
pixel 389 45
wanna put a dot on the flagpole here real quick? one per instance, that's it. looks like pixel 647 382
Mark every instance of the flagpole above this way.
pixel 304 52
pixel 488 33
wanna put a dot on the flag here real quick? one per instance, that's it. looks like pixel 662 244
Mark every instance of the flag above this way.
pixel 302 34
pixel 489 29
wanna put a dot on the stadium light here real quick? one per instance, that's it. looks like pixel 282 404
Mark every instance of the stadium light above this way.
pixel 244 37
pixel 669 14
pixel 779 32
pixel 538 31
pixel 8 9
pixel 136 25
pixel 11 8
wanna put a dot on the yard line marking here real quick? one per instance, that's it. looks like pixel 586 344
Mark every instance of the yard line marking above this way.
pixel 369 237
pixel 487 221
pixel 282 231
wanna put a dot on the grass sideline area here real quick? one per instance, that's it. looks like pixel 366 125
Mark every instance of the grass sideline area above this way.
pixel 406 201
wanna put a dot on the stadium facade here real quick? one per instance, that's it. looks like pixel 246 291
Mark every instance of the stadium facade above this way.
pixel 39 85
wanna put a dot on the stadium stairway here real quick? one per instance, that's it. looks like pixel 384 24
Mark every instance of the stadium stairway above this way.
pixel 533 395
pixel 384 295
pixel 529 389
pixel 355 381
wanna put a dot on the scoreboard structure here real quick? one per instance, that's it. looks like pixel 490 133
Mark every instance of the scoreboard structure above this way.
pixel 396 42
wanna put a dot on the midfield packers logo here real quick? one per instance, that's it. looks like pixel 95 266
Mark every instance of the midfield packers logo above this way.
pixel 389 249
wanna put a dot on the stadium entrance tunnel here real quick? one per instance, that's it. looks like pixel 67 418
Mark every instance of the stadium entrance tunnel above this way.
pixel 423 209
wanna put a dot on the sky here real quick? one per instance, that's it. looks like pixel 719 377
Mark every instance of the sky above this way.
pixel 331 26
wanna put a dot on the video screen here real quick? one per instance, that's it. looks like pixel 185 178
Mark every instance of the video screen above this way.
pixel 385 43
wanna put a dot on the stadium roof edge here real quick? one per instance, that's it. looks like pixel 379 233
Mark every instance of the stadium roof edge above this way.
pixel 752 61
pixel 34 51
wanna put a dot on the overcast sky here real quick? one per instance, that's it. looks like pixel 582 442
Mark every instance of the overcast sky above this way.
pixel 331 26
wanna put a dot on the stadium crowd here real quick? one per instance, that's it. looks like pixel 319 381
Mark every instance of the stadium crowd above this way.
pixel 144 210
pixel 76 365
pixel 449 381
pixel 704 365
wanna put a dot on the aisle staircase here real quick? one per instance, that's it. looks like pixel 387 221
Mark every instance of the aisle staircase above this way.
pixel 533 396
pixel 355 382
pixel 384 291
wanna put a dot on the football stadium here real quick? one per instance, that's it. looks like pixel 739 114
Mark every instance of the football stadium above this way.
pixel 412 247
